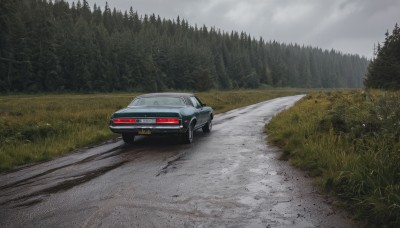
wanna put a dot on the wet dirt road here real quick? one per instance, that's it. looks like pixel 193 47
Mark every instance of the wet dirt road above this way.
pixel 228 178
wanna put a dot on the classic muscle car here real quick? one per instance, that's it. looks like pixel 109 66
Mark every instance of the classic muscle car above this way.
pixel 162 113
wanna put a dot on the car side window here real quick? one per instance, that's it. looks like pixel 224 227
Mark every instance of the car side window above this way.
pixel 195 102
pixel 198 100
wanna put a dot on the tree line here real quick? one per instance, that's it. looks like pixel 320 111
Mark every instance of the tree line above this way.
pixel 384 70
pixel 48 46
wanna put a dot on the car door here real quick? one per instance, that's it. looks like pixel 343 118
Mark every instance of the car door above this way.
pixel 204 111
pixel 199 110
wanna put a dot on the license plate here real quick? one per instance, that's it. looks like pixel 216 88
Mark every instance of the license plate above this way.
pixel 146 121
pixel 144 132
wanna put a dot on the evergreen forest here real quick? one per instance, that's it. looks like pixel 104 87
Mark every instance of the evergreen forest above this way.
pixel 55 46
pixel 384 70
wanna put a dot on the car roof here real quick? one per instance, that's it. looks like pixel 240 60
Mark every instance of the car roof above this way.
pixel 167 95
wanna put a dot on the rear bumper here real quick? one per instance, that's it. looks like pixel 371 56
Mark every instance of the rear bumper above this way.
pixel 161 129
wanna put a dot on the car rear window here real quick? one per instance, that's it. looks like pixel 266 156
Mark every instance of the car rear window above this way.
pixel 155 101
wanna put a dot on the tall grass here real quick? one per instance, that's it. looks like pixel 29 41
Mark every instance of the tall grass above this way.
pixel 351 142
pixel 37 128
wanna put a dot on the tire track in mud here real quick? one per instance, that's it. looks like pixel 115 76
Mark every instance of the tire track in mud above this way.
pixel 31 179
pixel 62 186
pixel 14 192
pixel 172 160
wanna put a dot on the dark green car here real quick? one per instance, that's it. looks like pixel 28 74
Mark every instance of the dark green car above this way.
pixel 162 113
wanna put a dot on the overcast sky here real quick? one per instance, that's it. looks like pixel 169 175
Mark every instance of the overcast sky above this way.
pixel 350 26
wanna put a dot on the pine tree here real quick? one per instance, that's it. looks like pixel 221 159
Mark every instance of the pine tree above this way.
pixel 384 70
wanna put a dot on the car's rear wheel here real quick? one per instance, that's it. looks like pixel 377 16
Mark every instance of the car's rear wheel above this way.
pixel 128 138
pixel 207 128
pixel 187 137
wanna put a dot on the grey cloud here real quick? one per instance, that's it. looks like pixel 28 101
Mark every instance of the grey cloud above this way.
pixel 350 26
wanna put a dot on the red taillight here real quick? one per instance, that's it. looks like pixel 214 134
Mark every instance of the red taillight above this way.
pixel 167 121
pixel 124 120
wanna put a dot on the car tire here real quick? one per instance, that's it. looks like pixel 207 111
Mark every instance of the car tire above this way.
pixel 187 137
pixel 207 128
pixel 128 138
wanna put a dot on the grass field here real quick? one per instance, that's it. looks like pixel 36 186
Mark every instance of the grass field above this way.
pixel 350 141
pixel 38 128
